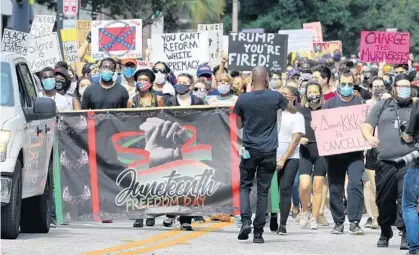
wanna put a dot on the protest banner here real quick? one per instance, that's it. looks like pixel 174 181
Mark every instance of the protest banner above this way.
pixel 215 38
pixel 182 52
pixel 338 130
pixel 83 28
pixel 117 38
pixel 378 46
pixel 115 172
pixel 317 28
pixel 299 39
pixel 327 48
pixel 42 25
pixel 15 41
pixel 43 52
pixel 248 50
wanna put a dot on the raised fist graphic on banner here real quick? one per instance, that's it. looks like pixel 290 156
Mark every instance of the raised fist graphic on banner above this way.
pixel 164 140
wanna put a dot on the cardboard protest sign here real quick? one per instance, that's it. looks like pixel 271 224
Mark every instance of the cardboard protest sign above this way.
pixel 70 51
pixel 317 28
pixel 15 41
pixel 338 130
pixel 42 25
pixel 182 52
pixel 117 38
pixel 215 35
pixel 299 39
pixel 83 27
pixel 248 50
pixel 44 52
pixel 391 47
pixel 327 48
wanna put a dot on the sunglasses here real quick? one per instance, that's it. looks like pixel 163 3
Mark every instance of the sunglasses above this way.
pixel 199 89
pixel 159 71
pixel 343 84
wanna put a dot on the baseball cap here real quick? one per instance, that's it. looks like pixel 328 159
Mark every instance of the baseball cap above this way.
pixel 204 70
pixel 129 60
pixel 293 73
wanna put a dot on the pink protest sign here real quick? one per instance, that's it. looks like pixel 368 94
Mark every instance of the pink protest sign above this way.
pixel 338 130
pixel 391 47
pixel 317 28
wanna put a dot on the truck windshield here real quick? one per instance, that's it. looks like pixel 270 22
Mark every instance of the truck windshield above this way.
pixel 7 96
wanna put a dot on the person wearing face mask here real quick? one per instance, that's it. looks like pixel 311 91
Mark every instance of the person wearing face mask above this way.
pixel 340 165
pixel 239 85
pixel 184 97
pixel 82 85
pixel 204 71
pixel 48 79
pixel 226 96
pixel 200 89
pixel 105 94
pixel 275 82
pixel 144 97
pixel 62 85
pixel 127 78
pixel 390 117
pixel 162 86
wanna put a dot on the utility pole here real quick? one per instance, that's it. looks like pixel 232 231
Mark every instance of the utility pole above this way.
pixel 20 15
pixel 235 16
pixel 60 15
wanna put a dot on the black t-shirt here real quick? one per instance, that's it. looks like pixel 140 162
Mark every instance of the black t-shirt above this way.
pixel 172 101
pixel 97 97
pixel 306 112
pixel 258 110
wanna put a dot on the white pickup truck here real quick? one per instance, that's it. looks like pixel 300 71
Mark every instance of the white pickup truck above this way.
pixel 27 130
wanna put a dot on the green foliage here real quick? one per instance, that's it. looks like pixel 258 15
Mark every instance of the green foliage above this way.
pixel 341 19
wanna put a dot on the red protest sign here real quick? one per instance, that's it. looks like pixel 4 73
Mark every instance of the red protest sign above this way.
pixel 391 47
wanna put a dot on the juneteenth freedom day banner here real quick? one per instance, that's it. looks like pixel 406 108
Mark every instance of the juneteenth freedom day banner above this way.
pixel 141 163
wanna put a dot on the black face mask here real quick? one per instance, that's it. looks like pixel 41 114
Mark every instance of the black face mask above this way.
pixel 182 89
pixel 59 85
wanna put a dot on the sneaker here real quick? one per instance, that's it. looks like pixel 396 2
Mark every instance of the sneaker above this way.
pixel 245 231
pixel 168 222
pixel 313 224
pixel 322 221
pixel 368 223
pixel 186 227
pixel 282 230
pixel 386 235
pixel 274 223
pixel 298 218
pixel 304 219
pixel 138 223
pixel 403 243
pixel 150 222
pixel 258 238
pixel 374 224
pixel 295 211
pixel 53 223
pixel 338 229
pixel 355 229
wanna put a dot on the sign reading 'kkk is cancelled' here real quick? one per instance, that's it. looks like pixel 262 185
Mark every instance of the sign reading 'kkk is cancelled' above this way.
pixel 248 50
pixel 391 47
pixel 117 38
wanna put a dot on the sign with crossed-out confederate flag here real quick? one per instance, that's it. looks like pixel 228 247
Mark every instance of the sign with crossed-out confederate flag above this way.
pixel 117 38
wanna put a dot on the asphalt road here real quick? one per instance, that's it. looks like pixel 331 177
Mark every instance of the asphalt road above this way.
pixel 207 239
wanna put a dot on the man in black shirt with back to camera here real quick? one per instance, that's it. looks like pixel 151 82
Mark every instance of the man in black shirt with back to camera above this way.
pixel 257 114
pixel 105 94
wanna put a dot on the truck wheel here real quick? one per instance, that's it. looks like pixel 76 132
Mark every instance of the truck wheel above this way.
pixel 10 213
pixel 36 211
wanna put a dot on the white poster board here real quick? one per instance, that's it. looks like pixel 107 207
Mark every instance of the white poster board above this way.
pixel 43 52
pixel 15 41
pixel 42 25
pixel 182 52
pixel 70 52
pixel 215 39
pixel 117 38
pixel 299 39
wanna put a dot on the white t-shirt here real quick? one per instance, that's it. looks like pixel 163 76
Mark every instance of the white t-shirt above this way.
pixel 63 103
pixel 215 100
pixel 131 89
pixel 288 125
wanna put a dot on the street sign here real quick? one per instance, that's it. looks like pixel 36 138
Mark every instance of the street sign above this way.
pixel 70 8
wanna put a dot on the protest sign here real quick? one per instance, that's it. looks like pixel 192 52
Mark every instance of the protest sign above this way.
pixel 117 38
pixel 182 52
pixel 299 39
pixel 327 48
pixel 68 35
pixel 70 51
pixel 143 64
pixel 378 46
pixel 44 52
pixel 83 28
pixel 42 25
pixel 215 36
pixel 225 43
pixel 15 41
pixel 317 28
pixel 69 23
pixel 248 50
pixel 338 130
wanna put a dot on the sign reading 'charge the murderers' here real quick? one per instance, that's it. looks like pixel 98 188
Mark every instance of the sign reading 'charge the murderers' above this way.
pixel 391 47
pixel 248 50
pixel 338 130
pixel 182 52
pixel 15 41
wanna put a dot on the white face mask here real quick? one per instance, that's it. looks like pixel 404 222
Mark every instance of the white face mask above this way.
pixel 160 78
pixel 224 88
